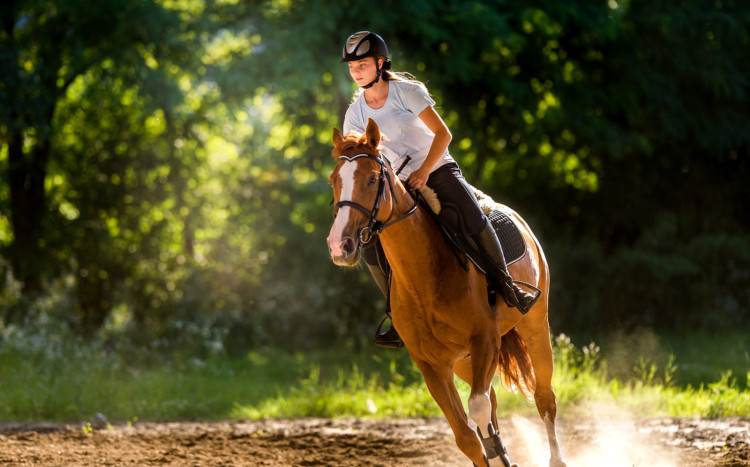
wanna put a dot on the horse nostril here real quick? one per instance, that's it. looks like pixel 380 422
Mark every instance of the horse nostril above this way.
pixel 347 246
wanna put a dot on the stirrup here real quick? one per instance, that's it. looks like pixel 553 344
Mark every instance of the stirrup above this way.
pixel 388 339
pixel 525 308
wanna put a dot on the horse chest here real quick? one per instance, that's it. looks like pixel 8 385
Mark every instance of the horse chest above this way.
pixel 443 328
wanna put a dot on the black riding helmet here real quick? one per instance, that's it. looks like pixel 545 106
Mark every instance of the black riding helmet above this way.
pixel 365 44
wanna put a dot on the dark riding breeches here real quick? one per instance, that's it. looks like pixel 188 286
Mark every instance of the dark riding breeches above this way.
pixel 459 207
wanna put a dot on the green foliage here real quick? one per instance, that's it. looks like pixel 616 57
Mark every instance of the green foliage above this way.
pixel 164 163
pixel 663 281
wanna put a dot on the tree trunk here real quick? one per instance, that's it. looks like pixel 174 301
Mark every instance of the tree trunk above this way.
pixel 27 208
pixel 27 171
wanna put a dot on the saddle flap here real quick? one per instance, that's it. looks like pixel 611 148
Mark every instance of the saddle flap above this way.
pixel 511 240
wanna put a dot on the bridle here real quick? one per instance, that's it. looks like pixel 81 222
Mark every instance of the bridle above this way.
pixel 374 227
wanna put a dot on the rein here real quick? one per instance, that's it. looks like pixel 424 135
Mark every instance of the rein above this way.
pixel 375 227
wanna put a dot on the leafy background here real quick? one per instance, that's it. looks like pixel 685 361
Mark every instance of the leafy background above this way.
pixel 164 162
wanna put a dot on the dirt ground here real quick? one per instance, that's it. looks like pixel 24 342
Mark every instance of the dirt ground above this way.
pixel 355 442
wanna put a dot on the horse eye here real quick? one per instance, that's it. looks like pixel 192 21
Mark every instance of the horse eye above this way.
pixel 372 180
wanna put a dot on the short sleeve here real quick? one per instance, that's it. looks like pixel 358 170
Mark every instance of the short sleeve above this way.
pixel 351 120
pixel 416 98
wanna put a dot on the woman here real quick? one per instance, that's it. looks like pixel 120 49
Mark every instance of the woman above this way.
pixel 416 141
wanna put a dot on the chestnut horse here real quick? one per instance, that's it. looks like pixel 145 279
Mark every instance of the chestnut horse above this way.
pixel 440 310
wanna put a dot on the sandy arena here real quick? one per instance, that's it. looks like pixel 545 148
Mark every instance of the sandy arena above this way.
pixel 355 442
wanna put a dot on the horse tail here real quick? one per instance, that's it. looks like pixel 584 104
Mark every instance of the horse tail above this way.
pixel 516 372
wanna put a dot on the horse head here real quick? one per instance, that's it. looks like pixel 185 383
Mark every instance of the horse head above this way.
pixel 362 193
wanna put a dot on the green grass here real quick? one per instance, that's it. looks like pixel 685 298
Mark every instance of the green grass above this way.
pixel 706 357
pixel 584 383
pixel 43 379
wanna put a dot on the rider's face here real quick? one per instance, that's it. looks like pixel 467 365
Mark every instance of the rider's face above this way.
pixel 363 71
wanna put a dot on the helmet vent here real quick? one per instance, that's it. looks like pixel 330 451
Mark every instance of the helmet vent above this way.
pixel 363 48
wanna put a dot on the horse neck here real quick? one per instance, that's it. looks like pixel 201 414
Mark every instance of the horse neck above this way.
pixel 401 197
pixel 414 243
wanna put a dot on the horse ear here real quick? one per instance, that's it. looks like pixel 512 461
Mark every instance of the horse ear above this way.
pixel 338 137
pixel 373 134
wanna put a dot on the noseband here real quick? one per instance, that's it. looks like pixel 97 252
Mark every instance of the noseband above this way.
pixel 368 232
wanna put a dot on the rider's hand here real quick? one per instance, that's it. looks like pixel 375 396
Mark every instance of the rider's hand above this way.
pixel 418 179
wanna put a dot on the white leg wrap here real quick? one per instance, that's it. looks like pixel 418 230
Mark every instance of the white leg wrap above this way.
pixel 480 411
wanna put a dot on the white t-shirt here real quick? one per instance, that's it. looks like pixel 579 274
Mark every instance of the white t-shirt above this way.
pixel 403 133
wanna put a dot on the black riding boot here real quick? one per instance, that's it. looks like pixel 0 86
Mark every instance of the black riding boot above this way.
pixel 389 338
pixel 497 271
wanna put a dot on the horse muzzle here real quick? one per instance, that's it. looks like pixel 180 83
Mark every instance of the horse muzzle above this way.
pixel 344 250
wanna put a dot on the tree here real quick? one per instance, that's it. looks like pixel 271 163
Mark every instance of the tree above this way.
pixel 46 47
pixel 55 58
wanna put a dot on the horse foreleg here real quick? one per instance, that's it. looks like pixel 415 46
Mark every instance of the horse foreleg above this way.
pixel 493 401
pixel 462 369
pixel 484 360
pixel 540 350
pixel 440 384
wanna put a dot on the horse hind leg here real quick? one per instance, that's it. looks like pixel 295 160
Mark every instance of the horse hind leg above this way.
pixel 540 350
pixel 547 407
